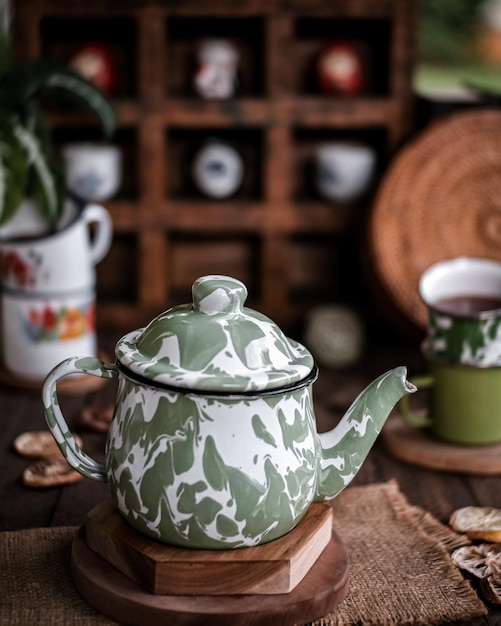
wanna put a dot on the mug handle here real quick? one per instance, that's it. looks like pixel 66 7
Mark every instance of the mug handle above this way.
pixel 75 456
pixel 101 241
pixel 412 419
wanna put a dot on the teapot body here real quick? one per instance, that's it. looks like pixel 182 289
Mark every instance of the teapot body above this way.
pixel 213 443
pixel 209 471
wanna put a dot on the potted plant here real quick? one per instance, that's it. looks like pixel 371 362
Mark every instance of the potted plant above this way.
pixel 47 254
pixel 28 167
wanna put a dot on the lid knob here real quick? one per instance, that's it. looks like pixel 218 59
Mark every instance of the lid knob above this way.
pixel 218 294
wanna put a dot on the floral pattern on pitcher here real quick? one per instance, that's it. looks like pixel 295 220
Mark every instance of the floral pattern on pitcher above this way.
pixel 18 271
pixel 66 323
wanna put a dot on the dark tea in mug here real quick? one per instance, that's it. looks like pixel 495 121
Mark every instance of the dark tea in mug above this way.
pixel 468 306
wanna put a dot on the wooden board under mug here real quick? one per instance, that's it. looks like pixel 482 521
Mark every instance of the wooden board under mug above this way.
pixel 418 447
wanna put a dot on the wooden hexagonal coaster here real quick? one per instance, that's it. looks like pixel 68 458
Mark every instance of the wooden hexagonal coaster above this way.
pixel 276 567
pixel 119 597
pixel 271 568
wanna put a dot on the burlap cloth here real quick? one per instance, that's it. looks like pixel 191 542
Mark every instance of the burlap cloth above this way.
pixel 401 572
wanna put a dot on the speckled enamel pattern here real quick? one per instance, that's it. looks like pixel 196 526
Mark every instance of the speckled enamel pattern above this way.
pixel 463 340
pixel 204 469
pixel 55 420
pixel 222 472
pixel 219 473
pixel 201 471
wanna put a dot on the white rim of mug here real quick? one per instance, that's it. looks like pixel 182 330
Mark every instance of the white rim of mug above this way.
pixel 24 241
pixel 440 270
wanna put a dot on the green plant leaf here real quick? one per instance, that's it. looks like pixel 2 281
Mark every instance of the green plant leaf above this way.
pixel 27 163
pixel 13 176
pixel 33 77
pixel 45 180
pixel 5 37
pixel 86 91
pixel 37 192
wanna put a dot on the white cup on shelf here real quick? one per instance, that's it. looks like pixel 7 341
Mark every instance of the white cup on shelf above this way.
pixel 216 73
pixel 218 169
pixel 93 170
pixel 344 170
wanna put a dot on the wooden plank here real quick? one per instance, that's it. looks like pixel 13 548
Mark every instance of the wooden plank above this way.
pixel 277 168
pixel 403 55
pixel 152 271
pixel 341 8
pixel 152 46
pixel 357 112
pixel 279 70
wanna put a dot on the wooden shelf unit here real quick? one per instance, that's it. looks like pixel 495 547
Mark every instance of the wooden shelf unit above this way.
pixel 291 248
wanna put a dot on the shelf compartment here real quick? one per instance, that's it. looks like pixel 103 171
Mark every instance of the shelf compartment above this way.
pixel 117 273
pixel 193 256
pixel 62 37
pixel 326 270
pixel 125 139
pixel 317 264
pixel 370 37
pixel 183 35
pixel 182 147
pixel 307 140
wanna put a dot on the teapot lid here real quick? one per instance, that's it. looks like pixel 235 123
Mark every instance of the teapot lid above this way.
pixel 215 344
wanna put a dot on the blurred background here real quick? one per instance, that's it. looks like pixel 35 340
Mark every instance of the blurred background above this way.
pixel 254 141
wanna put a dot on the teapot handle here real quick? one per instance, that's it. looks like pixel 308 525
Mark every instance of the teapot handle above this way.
pixel 75 456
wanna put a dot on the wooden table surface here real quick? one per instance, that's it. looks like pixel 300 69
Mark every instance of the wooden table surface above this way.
pixel 22 507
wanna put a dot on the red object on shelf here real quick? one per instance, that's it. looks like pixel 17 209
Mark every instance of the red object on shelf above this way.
pixel 95 62
pixel 341 69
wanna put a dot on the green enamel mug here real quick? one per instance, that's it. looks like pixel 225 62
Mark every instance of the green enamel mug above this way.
pixel 463 300
pixel 463 404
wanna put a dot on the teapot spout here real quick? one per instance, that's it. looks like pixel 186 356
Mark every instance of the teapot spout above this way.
pixel 344 449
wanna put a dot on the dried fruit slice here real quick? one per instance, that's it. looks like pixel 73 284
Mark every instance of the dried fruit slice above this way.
pixel 50 472
pixel 481 560
pixel 491 587
pixel 38 444
pixel 97 417
pixel 478 522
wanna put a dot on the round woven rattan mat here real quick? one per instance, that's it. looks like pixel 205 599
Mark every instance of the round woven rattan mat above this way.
pixel 440 198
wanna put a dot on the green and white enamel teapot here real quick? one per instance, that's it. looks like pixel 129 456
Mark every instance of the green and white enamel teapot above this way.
pixel 213 442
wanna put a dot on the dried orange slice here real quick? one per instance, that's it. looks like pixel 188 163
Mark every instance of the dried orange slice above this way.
pixel 39 444
pixel 477 522
pixel 480 560
pixel 484 562
pixel 491 587
pixel 50 472
pixel 97 417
